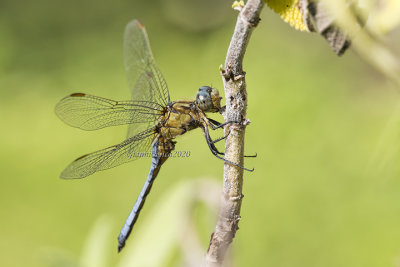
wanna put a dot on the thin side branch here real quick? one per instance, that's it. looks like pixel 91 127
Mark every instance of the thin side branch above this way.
pixel 236 106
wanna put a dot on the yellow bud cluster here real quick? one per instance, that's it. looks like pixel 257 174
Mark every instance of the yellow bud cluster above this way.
pixel 290 11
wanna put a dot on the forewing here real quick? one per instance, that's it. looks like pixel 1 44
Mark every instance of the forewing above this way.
pixel 90 112
pixel 144 78
pixel 129 150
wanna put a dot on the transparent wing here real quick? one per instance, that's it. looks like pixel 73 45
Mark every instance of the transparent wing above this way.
pixel 90 112
pixel 129 150
pixel 145 80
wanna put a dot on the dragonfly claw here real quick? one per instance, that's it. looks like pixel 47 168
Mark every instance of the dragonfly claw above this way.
pixel 251 156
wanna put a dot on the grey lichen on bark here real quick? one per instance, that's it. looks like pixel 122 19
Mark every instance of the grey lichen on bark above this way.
pixel 236 105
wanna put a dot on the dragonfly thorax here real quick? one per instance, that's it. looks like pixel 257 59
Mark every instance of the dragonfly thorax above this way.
pixel 208 99
pixel 181 116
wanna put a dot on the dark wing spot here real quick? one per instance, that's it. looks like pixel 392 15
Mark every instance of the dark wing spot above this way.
pixel 139 24
pixel 81 157
pixel 78 94
pixel 149 74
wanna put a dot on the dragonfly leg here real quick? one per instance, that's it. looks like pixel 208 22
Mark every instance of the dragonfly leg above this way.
pixel 214 151
pixel 221 138
pixel 251 156
pixel 224 137
pixel 211 145
pixel 214 122
pixel 216 125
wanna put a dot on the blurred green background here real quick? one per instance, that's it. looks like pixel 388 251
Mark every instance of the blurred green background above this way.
pixel 326 185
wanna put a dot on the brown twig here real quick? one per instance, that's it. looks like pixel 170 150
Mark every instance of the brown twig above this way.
pixel 236 104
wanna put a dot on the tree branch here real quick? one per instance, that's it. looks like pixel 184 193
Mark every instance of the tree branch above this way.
pixel 236 106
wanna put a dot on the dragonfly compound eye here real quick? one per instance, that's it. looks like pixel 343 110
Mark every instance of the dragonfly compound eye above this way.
pixel 208 99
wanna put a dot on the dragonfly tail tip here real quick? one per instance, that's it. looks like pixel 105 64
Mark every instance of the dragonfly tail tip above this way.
pixel 120 247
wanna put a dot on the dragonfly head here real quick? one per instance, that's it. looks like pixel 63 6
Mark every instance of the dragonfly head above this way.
pixel 208 99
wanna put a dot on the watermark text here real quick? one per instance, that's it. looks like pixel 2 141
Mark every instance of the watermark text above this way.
pixel 172 154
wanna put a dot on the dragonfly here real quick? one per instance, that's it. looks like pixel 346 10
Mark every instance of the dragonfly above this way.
pixel 153 120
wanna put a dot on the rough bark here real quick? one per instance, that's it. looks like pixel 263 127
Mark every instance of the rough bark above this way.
pixel 236 105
